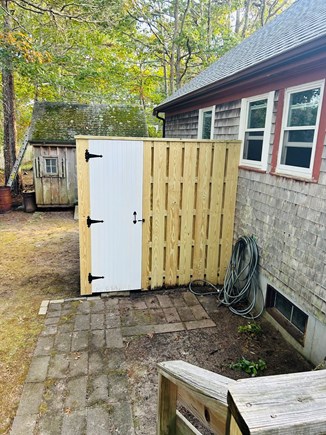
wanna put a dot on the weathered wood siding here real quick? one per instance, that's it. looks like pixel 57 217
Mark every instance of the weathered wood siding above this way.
pixel 184 125
pixel 189 197
pixel 226 123
pixel 56 190
pixel 288 218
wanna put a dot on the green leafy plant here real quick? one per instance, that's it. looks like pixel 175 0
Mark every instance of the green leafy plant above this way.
pixel 251 367
pixel 251 328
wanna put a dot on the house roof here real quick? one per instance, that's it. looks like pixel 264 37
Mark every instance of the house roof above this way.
pixel 301 23
pixel 61 122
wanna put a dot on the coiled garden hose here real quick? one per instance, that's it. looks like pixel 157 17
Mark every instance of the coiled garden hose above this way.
pixel 241 290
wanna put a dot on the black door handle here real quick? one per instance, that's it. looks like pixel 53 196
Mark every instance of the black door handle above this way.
pixel 135 220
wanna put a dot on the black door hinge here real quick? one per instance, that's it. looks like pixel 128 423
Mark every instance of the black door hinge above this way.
pixel 88 155
pixel 91 277
pixel 92 221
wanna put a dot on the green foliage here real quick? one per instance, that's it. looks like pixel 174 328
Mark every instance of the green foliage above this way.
pixel 251 367
pixel 252 328
pixel 118 51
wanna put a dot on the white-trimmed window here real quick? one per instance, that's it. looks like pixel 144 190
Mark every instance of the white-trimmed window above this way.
pixel 206 123
pixel 255 129
pixel 51 166
pixel 302 106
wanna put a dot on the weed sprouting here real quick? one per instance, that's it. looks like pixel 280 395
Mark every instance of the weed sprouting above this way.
pixel 251 328
pixel 253 368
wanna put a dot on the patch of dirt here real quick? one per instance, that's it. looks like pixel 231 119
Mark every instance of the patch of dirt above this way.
pixel 39 260
pixel 213 349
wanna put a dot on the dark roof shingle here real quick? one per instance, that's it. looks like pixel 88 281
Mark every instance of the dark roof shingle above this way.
pixel 301 23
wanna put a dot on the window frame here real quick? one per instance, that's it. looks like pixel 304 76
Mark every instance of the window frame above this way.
pixel 243 129
pixel 281 319
pixel 298 171
pixel 51 174
pixel 201 119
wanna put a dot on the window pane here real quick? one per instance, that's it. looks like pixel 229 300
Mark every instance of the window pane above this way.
pixel 257 114
pixel 297 148
pixel 303 108
pixel 283 305
pixel 253 145
pixel 298 137
pixel 51 166
pixel 299 319
pixel 207 125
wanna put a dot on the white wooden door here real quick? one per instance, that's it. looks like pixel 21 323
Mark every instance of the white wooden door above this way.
pixel 116 181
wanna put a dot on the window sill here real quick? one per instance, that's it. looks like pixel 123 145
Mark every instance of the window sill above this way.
pixel 251 168
pixel 308 179
pixel 50 176
pixel 292 330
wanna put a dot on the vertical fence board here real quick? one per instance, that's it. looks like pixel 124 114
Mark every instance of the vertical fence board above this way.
pixel 200 231
pixel 159 211
pixel 173 213
pixel 218 165
pixel 230 186
pixel 83 212
pixel 187 210
pixel 146 236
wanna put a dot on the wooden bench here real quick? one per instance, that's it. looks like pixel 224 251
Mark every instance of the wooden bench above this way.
pixel 201 392
pixel 283 404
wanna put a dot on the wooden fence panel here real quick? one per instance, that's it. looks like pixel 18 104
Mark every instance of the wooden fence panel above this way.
pixel 189 205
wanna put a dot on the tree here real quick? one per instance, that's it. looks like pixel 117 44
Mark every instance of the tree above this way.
pixel 252 14
pixel 8 95
pixel 107 51
pixel 19 53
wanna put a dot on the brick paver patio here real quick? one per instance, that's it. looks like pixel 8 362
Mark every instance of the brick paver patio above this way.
pixel 77 383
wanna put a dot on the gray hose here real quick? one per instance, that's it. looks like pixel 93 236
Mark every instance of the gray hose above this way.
pixel 240 283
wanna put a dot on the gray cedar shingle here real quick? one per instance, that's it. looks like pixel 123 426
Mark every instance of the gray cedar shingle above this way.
pixel 301 23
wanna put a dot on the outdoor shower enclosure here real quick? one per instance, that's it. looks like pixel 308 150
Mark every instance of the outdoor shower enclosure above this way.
pixel 154 212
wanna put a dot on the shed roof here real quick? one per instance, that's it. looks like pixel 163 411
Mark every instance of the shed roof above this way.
pixel 301 23
pixel 61 122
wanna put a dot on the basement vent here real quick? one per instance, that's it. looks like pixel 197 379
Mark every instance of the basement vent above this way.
pixel 288 315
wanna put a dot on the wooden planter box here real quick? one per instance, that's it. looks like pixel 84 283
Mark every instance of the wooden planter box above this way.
pixel 167 207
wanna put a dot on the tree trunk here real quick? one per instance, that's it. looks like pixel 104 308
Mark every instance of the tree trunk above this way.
pixel 9 121
pixel 8 96
pixel 246 18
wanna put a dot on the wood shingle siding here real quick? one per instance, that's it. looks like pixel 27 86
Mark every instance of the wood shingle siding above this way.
pixel 289 223
pixel 184 125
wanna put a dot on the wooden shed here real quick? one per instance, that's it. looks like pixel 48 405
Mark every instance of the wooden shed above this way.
pixel 154 212
pixel 54 127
